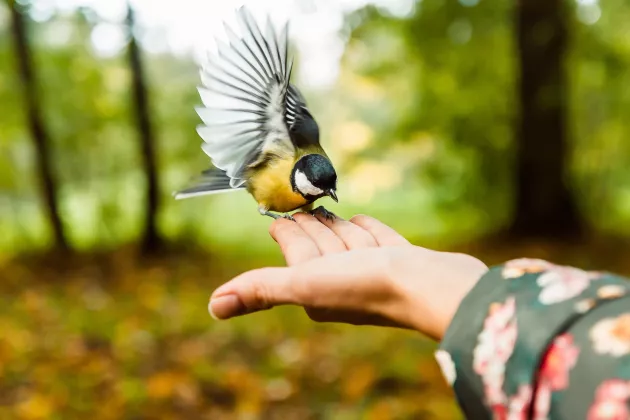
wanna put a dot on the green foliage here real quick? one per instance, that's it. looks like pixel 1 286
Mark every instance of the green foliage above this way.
pixel 422 116
pixel 446 78
pixel 600 104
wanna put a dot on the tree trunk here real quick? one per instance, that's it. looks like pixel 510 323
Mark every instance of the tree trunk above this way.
pixel 545 205
pixel 35 124
pixel 151 241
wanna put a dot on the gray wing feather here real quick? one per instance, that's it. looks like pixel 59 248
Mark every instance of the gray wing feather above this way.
pixel 212 181
pixel 244 93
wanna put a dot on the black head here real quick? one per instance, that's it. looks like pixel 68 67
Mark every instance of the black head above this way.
pixel 313 176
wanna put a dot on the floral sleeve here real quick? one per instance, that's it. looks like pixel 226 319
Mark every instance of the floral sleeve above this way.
pixel 534 340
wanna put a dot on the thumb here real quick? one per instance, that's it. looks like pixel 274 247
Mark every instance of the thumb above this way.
pixel 252 291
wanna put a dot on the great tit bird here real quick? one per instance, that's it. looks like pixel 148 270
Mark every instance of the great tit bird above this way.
pixel 257 129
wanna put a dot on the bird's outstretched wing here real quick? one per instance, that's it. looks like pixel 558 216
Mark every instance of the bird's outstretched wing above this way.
pixel 249 104
pixel 250 109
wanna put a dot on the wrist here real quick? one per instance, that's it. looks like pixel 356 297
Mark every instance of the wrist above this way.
pixel 462 272
pixel 436 287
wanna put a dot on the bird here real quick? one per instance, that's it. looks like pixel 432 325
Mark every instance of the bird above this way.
pixel 256 127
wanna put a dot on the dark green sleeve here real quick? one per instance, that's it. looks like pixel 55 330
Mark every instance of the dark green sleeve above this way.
pixel 534 340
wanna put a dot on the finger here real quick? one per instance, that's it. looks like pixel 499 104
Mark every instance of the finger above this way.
pixel 313 284
pixel 296 245
pixel 324 238
pixel 382 234
pixel 353 236
pixel 252 291
pixel 348 281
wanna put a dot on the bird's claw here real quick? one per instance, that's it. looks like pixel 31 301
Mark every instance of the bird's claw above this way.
pixel 326 214
pixel 288 217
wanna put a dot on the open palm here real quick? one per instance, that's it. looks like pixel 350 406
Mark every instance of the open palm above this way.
pixel 359 272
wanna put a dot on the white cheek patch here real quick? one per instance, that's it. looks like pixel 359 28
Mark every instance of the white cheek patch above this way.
pixel 304 185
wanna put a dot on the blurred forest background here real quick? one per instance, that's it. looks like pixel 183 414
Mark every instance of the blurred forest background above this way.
pixel 492 127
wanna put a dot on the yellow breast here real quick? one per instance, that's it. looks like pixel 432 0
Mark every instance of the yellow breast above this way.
pixel 271 187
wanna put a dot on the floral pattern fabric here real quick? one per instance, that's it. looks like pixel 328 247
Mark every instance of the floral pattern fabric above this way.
pixel 536 340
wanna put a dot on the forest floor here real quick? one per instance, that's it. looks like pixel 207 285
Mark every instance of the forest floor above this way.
pixel 114 337
pixel 111 337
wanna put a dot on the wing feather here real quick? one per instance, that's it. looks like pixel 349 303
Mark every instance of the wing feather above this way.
pixel 211 116
pixel 207 74
pixel 222 101
pixel 212 181
pixel 272 40
pixel 241 55
pixel 249 104
pixel 254 39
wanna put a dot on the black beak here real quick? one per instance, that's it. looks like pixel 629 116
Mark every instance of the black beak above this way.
pixel 332 194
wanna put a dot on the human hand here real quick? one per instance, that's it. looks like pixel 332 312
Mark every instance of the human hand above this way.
pixel 359 272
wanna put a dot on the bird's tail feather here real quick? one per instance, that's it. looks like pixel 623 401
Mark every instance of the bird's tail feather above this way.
pixel 211 181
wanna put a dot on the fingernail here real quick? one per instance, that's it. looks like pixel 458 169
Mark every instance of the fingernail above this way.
pixel 224 307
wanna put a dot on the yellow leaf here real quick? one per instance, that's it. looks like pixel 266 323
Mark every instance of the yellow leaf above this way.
pixel 380 411
pixel 37 406
pixel 163 384
pixel 358 381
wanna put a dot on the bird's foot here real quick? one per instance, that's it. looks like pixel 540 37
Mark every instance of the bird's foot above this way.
pixel 288 217
pixel 326 214
pixel 276 216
